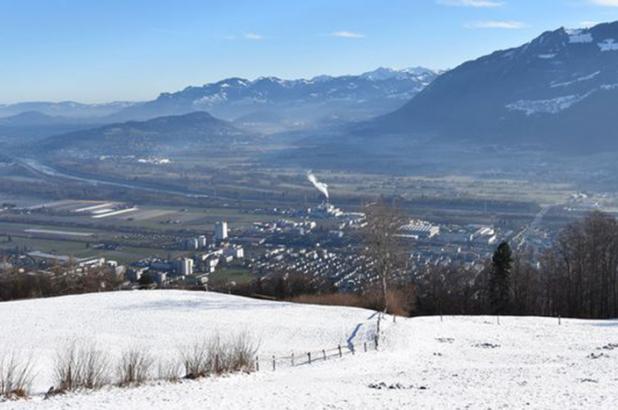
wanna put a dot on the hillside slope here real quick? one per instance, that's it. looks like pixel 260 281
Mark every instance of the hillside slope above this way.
pixel 460 362
pixel 181 133
pixel 556 91
pixel 164 321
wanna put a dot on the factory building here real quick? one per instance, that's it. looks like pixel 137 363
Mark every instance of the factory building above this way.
pixel 420 229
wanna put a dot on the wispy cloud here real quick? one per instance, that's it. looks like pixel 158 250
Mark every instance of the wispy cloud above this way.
pixel 472 3
pixel 347 34
pixel 496 24
pixel 605 3
pixel 253 36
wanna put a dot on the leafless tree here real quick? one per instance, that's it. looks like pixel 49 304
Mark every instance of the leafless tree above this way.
pixel 386 257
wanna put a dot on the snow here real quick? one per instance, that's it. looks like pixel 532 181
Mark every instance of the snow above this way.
pixel 546 56
pixel 577 80
pixel 164 321
pixel 460 362
pixel 579 37
pixel 608 45
pixel 548 106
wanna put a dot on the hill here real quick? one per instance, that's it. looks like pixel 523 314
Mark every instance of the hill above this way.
pixel 164 321
pixel 182 133
pixel 457 362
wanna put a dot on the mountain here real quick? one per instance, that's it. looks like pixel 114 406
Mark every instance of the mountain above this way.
pixel 33 125
pixel 292 103
pixel 68 109
pixel 267 103
pixel 183 133
pixel 557 91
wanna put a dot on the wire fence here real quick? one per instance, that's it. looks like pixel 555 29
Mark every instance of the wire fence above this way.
pixel 307 358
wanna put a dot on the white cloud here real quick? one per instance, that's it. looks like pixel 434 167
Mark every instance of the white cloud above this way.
pixel 347 34
pixel 497 24
pixel 605 3
pixel 254 36
pixel 472 3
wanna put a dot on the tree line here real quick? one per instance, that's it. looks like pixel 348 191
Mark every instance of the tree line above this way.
pixel 576 277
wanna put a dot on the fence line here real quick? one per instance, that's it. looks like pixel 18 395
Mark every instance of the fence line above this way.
pixel 314 356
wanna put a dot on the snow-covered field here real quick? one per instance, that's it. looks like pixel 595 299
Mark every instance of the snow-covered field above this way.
pixel 461 362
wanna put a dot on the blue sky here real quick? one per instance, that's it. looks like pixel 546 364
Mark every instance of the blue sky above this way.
pixel 104 50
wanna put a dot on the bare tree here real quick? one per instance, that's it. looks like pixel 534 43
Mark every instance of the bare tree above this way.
pixel 385 255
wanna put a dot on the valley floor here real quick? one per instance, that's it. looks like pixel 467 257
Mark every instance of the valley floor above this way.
pixel 460 362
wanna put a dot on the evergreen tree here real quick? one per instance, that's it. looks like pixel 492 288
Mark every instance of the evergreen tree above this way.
pixel 145 280
pixel 500 279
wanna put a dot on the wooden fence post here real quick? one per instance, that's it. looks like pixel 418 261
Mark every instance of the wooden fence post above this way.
pixel 375 340
pixel 257 363
pixel 352 348
pixel 309 357
pixel 340 354
pixel 274 363
pixel 292 359
pixel 559 320
pixel 324 354
pixel 365 346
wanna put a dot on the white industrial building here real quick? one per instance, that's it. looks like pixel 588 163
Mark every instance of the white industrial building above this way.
pixel 185 267
pixel 420 229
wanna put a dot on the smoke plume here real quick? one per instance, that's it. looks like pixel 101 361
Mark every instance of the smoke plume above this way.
pixel 320 186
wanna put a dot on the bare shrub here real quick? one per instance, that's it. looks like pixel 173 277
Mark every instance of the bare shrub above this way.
pixel 195 360
pixel 215 356
pixel 169 370
pixel 134 367
pixel 81 367
pixel 242 351
pixel 15 377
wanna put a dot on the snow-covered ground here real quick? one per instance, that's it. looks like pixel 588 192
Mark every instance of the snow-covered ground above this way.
pixel 461 362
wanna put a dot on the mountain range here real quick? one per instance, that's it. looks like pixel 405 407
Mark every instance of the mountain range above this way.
pixel 553 94
pixel 267 103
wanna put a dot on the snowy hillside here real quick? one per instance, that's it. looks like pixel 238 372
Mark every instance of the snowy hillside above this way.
pixel 461 362
pixel 164 321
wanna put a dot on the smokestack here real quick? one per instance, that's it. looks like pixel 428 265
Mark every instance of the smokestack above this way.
pixel 320 186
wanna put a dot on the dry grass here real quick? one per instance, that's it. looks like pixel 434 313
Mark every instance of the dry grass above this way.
pixel 134 367
pixel 213 356
pixel 333 299
pixel 169 370
pixel 16 377
pixel 80 366
pixel 400 301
